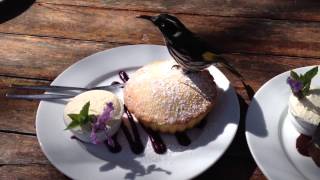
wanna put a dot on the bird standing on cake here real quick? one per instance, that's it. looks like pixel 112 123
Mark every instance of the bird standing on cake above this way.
pixel 188 50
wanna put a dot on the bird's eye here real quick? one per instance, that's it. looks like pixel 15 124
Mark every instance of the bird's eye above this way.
pixel 162 25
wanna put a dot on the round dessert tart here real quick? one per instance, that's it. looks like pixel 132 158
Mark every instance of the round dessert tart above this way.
pixel 165 98
pixel 104 113
pixel 305 112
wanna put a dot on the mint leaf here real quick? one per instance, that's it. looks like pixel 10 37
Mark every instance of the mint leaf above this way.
pixel 300 84
pixel 82 118
pixel 306 88
pixel 85 109
pixel 307 78
pixel 310 74
pixel 72 125
pixel 75 121
pixel 294 75
pixel 74 117
pixel 303 79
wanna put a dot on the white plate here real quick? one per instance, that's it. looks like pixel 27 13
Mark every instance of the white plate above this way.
pixel 271 135
pixel 95 162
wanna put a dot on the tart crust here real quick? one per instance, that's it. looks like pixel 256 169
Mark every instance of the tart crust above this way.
pixel 166 99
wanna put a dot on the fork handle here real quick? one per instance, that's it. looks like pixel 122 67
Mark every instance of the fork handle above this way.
pixel 66 88
pixel 39 96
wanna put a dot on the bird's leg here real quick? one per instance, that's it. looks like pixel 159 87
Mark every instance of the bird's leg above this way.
pixel 187 71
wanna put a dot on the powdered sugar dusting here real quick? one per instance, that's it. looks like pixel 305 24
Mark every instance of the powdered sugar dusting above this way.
pixel 170 95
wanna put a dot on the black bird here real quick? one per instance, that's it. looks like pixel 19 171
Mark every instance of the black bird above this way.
pixel 187 49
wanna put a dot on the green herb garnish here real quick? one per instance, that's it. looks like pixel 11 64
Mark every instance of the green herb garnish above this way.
pixel 300 84
pixel 82 118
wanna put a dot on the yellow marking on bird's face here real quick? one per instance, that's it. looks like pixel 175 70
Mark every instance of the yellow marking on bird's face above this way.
pixel 209 56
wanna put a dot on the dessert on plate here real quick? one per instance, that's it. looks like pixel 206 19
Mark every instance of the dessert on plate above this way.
pixel 304 109
pixel 94 116
pixel 304 103
pixel 165 98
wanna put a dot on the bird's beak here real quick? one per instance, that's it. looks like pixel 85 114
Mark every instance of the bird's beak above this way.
pixel 150 18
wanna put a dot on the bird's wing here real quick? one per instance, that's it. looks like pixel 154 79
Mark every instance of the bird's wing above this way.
pixel 187 47
pixel 186 61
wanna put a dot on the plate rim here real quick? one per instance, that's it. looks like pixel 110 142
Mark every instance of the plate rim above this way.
pixel 227 145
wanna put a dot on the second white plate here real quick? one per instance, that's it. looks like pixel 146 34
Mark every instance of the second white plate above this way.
pixel 271 136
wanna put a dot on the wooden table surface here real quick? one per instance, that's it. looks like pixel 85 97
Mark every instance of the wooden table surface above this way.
pixel 38 40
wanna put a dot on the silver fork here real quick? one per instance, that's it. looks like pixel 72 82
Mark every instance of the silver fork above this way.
pixel 59 89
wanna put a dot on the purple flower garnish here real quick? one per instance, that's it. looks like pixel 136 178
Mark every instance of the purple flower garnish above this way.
pixel 100 123
pixel 300 83
pixel 93 137
pixel 295 85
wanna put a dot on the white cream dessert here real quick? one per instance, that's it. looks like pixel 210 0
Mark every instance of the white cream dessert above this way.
pixel 306 112
pixel 98 101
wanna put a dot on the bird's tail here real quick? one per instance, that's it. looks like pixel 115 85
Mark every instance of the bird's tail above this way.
pixel 227 65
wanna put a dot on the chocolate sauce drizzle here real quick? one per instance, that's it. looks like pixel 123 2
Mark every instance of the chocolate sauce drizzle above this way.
pixel 135 143
pixel 157 143
pixel 123 76
pixel 116 147
pixel 182 138
pixel 202 123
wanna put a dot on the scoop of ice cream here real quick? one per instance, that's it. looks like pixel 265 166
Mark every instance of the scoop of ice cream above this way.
pixel 306 112
pixel 98 101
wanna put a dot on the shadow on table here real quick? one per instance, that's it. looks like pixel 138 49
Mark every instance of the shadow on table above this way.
pixel 10 9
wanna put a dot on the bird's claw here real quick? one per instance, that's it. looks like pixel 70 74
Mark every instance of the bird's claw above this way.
pixel 176 66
